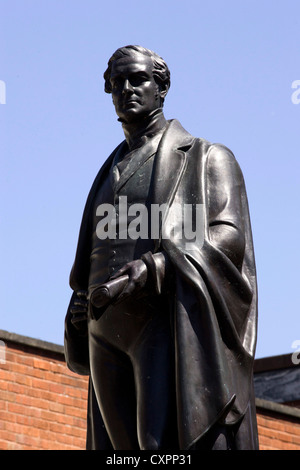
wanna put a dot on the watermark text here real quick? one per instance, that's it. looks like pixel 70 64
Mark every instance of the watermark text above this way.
pixel 178 221
pixel 2 92
pixel 296 354
pixel 296 94
pixel 2 352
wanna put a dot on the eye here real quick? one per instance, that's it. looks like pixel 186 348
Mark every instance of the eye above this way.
pixel 138 79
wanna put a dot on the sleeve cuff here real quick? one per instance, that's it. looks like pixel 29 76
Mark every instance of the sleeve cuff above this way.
pixel 156 265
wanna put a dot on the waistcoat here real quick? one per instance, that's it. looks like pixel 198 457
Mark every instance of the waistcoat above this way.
pixel 124 227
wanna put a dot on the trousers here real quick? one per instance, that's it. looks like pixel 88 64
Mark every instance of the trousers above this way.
pixel 132 370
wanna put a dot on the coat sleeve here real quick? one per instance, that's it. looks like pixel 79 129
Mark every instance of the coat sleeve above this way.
pixel 225 186
pixel 226 228
pixel 225 253
pixel 158 267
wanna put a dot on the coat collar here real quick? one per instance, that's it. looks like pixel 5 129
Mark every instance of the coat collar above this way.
pixel 170 158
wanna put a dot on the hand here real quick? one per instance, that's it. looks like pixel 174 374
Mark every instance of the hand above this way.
pixel 137 272
pixel 79 309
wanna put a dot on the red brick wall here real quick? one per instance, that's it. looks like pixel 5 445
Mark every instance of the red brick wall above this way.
pixel 43 404
pixel 277 433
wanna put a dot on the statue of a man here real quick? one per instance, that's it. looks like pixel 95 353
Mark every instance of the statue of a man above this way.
pixel 163 317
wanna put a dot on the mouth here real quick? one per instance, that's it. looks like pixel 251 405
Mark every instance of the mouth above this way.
pixel 131 101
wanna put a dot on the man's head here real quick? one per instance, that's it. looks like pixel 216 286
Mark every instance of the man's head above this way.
pixel 138 80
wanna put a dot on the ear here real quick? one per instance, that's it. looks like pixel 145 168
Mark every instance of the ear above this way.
pixel 163 90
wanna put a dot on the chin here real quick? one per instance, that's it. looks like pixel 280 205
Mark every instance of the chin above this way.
pixel 131 116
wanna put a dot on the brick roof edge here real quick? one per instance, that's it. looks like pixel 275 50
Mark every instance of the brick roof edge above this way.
pixel 278 408
pixel 32 342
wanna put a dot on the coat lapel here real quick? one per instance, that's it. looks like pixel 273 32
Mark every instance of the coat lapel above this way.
pixel 169 165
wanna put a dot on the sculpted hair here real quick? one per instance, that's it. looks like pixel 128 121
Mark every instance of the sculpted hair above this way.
pixel 161 71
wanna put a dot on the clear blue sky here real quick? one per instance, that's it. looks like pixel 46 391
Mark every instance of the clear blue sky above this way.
pixel 232 64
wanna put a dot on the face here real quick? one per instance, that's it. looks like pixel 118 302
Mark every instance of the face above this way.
pixel 134 91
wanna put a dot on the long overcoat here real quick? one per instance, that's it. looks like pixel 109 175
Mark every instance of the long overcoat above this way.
pixel 214 303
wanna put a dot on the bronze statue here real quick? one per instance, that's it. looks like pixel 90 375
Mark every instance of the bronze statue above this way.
pixel 163 317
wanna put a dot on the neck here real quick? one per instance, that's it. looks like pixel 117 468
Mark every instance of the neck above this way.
pixel 146 127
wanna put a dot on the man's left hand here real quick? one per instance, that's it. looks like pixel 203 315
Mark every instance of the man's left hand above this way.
pixel 137 272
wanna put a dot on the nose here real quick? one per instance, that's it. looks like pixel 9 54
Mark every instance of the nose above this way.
pixel 127 88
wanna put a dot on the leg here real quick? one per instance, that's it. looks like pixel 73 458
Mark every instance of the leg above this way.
pixel 96 435
pixel 153 361
pixel 113 381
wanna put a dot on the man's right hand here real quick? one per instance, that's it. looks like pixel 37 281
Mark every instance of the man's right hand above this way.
pixel 79 310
